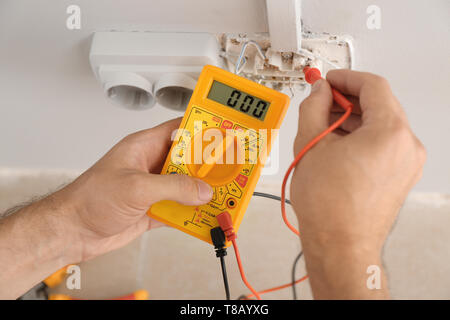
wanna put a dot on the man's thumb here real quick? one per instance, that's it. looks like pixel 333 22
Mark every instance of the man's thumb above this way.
pixel 180 188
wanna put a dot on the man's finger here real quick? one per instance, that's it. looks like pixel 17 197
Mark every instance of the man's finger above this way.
pixel 314 111
pixel 180 188
pixel 376 99
pixel 351 82
pixel 149 147
pixel 351 124
pixel 353 100
pixel 163 132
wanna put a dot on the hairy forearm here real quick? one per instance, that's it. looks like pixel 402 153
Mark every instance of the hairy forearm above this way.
pixel 35 241
pixel 341 273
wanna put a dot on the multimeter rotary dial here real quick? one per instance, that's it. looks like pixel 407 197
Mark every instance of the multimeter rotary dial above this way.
pixel 216 156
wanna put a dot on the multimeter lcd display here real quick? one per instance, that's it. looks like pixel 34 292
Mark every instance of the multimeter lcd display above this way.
pixel 238 100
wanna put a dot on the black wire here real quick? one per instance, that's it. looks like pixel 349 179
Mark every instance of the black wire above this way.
pixel 294 267
pixel 225 277
pixel 222 260
pixel 218 239
pixel 270 196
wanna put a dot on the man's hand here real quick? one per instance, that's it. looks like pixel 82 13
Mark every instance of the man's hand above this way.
pixel 348 189
pixel 110 200
pixel 104 209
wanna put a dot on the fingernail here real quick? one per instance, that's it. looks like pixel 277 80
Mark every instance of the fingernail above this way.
pixel 316 85
pixel 205 192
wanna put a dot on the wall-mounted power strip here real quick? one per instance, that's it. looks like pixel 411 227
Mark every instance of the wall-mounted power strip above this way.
pixel 139 69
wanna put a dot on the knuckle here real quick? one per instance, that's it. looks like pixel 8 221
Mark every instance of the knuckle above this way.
pixel 297 145
pixel 307 110
pixel 125 142
pixel 139 136
pixel 421 152
pixel 380 81
pixel 309 102
pixel 304 105
pixel 397 134
pixel 131 141
pixel 420 173
pixel 129 138
pixel 400 133
pixel 398 130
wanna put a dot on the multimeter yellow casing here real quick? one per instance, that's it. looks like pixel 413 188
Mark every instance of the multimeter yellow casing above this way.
pixel 233 193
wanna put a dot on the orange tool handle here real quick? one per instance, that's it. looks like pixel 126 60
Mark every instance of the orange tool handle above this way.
pixel 137 295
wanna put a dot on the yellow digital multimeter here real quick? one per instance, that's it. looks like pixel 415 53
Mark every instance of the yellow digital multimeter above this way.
pixel 223 103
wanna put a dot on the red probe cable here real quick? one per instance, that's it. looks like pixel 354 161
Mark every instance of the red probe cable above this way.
pixel 241 271
pixel 311 76
pixel 226 225
pixel 287 285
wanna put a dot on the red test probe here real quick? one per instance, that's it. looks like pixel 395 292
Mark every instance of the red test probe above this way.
pixel 311 76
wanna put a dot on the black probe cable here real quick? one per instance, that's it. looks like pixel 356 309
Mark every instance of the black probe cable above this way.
pixel 225 277
pixel 294 267
pixel 218 239
pixel 270 196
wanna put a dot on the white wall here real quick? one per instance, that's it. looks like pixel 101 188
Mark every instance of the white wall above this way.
pixel 53 113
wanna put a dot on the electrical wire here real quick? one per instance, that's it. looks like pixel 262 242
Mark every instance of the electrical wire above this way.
pixel 311 55
pixel 241 270
pixel 218 239
pixel 294 282
pixel 270 196
pixel 287 285
pixel 225 277
pixel 241 61
pixel 300 155
pixel 311 76
pixel 294 267
pixel 348 107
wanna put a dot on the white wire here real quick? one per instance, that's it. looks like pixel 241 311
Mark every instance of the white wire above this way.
pixel 313 55
pixel 351 49
pixel 242 60
pixel 239 65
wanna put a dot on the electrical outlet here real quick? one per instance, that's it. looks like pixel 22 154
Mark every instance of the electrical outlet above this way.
pixel 138 69
pixel 281 70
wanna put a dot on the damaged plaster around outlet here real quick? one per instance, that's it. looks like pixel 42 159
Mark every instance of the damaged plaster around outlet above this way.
pixel 281 70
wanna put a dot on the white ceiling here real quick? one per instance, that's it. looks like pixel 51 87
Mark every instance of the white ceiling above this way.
pixel 53 113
